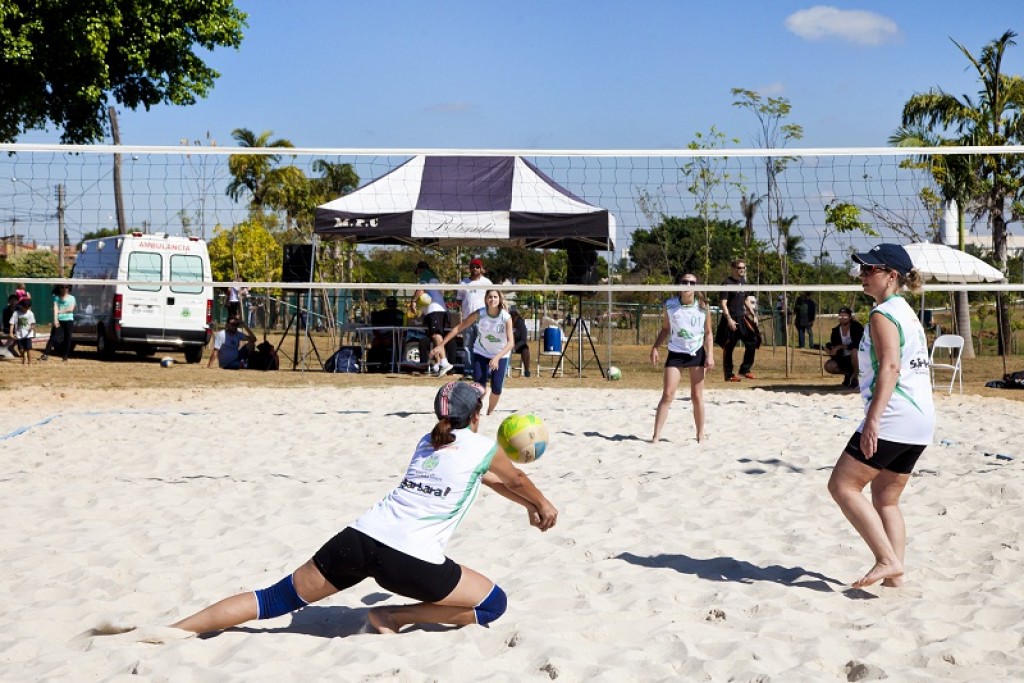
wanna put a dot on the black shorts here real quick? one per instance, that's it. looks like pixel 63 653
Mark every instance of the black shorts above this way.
pixel 352 556
pixel 435 322
pixel 684 360
pixel 889 455
pixel 25 343
pixel 844 362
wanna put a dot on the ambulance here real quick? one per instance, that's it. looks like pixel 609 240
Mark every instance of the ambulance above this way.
pixel 131 314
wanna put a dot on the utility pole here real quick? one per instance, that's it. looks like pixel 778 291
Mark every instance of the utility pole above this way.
pixel 60 230
pixel 115 133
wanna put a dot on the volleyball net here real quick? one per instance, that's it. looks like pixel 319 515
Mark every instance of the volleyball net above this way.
pixel 795 215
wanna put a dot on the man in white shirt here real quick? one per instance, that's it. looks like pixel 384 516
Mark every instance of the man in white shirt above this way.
pixel 472 300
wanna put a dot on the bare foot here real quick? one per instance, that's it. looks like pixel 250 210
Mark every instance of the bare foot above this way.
pixel 893 582
pixel 701 438
pixel 380 619
pixel 879 572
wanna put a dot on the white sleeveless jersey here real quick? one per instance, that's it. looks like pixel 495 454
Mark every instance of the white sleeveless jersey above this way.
pixel 491 335
pixel 420 515
pixel 687 326
pixel 910 415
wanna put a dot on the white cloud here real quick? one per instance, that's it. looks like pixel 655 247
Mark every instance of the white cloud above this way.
pixel 823 22
pixel 776 89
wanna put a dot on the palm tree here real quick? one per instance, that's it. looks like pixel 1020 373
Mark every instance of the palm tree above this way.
pixel 335 179
pixel 251 172
pixel 994 119
pixel 748 207
pixel 956 178
pixel 795 249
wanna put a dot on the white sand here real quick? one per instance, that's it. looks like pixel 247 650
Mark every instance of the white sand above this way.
pixel 726 561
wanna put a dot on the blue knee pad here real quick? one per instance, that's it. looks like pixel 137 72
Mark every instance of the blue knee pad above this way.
pixel 281 598
pixel 491 607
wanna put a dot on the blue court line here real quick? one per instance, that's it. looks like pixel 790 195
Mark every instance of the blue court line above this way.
pixel 21 430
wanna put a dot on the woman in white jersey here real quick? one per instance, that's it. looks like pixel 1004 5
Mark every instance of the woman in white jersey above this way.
pixel 899 414
pixel 492 347
pixel 400 541
pixel 687 326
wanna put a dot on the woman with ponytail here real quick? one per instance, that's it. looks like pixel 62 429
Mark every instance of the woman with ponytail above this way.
pixel 400 541
pixel 899 415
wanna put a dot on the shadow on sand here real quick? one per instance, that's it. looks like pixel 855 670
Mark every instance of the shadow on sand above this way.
pixel 738 571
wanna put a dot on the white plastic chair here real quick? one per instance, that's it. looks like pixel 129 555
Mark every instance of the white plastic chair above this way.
pixel 954 345
pixel 512 367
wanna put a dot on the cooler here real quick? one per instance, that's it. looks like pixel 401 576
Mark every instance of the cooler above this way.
pixel 552 340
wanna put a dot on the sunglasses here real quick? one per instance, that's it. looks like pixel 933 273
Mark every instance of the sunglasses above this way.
pixel 688 282
pixel 868 269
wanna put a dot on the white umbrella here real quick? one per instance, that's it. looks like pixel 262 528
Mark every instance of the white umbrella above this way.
pixel 945 264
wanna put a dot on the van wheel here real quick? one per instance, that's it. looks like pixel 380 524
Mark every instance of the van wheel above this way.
pixel 193 354
pixel 104 347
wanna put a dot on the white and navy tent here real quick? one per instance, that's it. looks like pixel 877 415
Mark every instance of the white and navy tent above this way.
pixel 467 200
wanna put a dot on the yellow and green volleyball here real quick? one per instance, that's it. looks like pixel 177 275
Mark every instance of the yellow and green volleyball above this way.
pixel 523 437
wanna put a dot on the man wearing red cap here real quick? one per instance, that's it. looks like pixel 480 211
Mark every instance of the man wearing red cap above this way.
pixel 472 300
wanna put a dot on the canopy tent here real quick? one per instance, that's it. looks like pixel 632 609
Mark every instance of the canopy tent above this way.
pixel 466 200
pixel 945 264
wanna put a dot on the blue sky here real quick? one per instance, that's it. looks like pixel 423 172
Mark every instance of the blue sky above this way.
pixel 556 75
pixel 574 75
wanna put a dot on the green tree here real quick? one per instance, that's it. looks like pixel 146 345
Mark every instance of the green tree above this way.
pixel 772 133
pixel 247 251
pixel 96 234
pixel 686 239
pixel 748 207
pixel 35 263
pixel 794 248
pixel 707 175
pixel 515 263
pixel 955 175
pixel 63 61
pixel 254 174
pixel 993 118
pixel 842 217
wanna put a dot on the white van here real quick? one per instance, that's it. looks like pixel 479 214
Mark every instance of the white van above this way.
pixel 141 317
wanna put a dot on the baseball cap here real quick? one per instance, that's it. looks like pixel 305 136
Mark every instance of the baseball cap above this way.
pixel 458 401
pixel 890 255
pixel 476 262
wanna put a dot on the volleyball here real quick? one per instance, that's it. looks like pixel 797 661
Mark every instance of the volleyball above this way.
pixel 424 300
pixel 614 374
pixel 524 438
pixel 166 362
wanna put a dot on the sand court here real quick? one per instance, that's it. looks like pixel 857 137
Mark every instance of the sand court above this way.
pixel 128 509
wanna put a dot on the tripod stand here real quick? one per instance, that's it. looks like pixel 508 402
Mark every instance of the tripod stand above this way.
pixel 580 327
pixel 298 315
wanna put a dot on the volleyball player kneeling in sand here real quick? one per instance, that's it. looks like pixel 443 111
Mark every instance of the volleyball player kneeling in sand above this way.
pixel 400 541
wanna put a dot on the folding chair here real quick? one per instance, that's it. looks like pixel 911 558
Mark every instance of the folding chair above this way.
pixel 510 368
pixel 557 361
pixel 954 346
